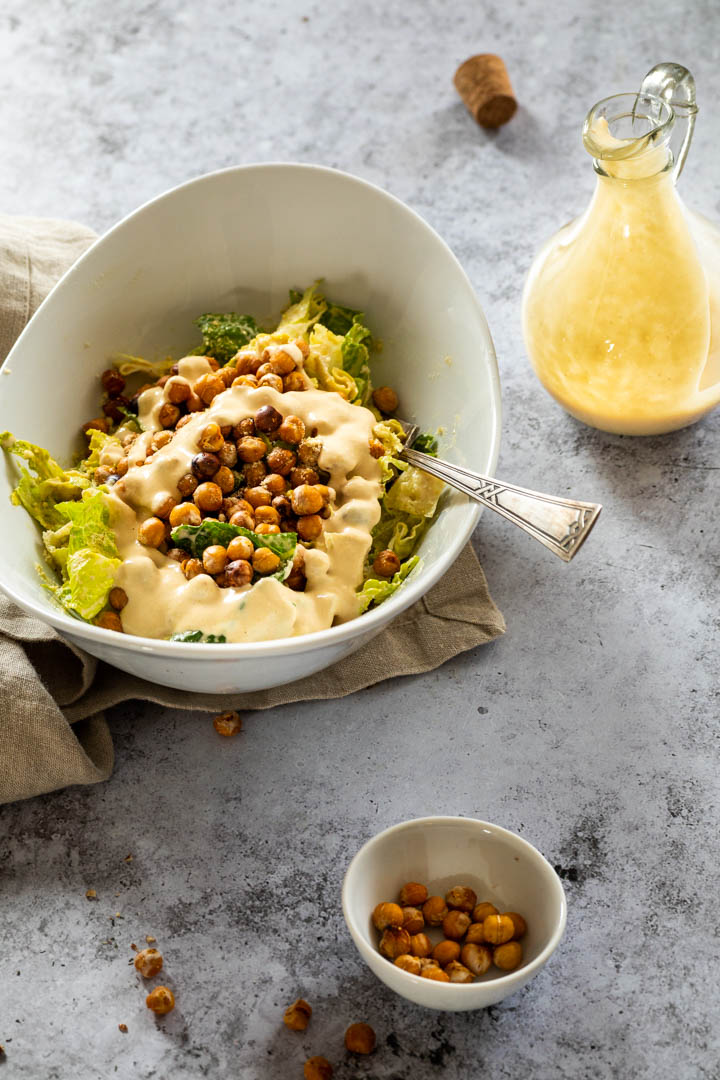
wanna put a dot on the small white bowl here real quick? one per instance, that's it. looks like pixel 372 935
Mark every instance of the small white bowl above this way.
pixel 441 852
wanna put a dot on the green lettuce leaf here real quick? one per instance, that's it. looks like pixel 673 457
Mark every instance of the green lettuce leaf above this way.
pixel 223 335
pixel 129 365
pixel 374 591
pixel 304 311
pixel 92 559
pixel 44 484
pixel 324 363
pixel 426 444
pixel 195 538
pixel 99 440
pixel 197 635
pixel 414 492
pixel 398 532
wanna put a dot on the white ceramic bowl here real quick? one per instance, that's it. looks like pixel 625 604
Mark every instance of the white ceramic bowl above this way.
pixel 238 240
pixel 441 852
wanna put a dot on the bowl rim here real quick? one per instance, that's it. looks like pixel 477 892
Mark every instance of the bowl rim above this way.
pixel 369 621
pixel 521 974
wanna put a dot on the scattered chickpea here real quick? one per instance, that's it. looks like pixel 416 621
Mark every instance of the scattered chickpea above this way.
pixel 309 450
pixel 481 911
pixel 148 962
pixel 242 519
pixel 239 573
pixel 210 438
pixel 243 427
pixel 177 390
pixel 227 374
pixel 112 382
pixel 273 381
pixel 475 935
pixel 519 924
pixel 118 598
pixel 476 957
pixel 109 620
pixel 227 454
pixel 204 465
pixel 420 945
pixel 183 421
pixel 461 898
pixel 192 567
pixel 498 929
pixel 385 399
pixel 282 363
pixel 427 962
pixel 445 952
pixel 291 430
pixel 254 473
pixel 295 381
pixel 408 962
pixel 306 499
pixel 264 369
pixel 151 532
pixel 161 1000
pixel 214 559
pixel 436 974
pixel 297 1016
pixel 250 448
pixel 225 479
pixel 123 1028
pixel 240 548
pixel 413 920
pixel 360 1039
pixel 303 474
pixel 228 723
pixel 458 973
pixel 265 561
pixel 266 529
pixel 160 439
pixel 245 363
pixel 455 924
pixel 187 484
pixel 168 415
pixel 434 910
pixel 507 956
pixel 267 419
pixel 267 515
pixel 208 496
pixel 281 460
pixel 245 380
pixel 309 527
pixel 275 483
pixel 394 942
pixel 386 563
pixel 178 555
pixel 317 1068
pixel 387 914
pixel 208 387
pixel 194 403
pixel 186 513
pixel 100 423
pixel 377 450
pixel 163 505
pixel 101 474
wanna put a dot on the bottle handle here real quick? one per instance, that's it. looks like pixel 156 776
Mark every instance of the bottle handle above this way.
pixel 676 86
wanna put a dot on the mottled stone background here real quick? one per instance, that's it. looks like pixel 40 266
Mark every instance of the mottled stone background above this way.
pixel 591 728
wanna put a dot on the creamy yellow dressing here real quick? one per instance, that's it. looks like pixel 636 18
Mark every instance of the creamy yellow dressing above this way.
pixel 620 308
pixel 162 602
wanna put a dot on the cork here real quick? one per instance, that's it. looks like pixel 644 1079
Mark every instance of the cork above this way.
pixel 484 85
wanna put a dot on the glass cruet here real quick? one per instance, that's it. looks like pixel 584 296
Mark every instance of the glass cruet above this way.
pixel 621 309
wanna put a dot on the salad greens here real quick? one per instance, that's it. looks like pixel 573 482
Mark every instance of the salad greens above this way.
pixel 223 335
pixel 197 635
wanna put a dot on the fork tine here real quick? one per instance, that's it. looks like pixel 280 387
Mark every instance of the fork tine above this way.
pixel 410 431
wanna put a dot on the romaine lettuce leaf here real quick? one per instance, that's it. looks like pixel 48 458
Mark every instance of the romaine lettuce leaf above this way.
pixel 304 311
pixel 93 559
pixel 197 635
pixel 397 532
pixel 45 484
pixel 426 444
pixel 99 440
pixel 374 591
pixel 324 363
pixel 223 335
pixel 414 492
pixel 129 365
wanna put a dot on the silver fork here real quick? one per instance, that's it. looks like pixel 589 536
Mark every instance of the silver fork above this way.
pixel 562 525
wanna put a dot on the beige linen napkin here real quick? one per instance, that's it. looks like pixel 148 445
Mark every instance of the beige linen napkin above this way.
pixel 52 728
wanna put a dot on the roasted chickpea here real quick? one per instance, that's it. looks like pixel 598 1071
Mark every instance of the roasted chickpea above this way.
pixel 436 974
pixel 161 1000
pixel 476 957
pixel 245 380
pixel 302 345
pixel 101 474
pixel 317 1068
pixel 121 466
pixel 263 370
pixel 518 922
pixel 360 1039
pixel 394 942
pixel 386 563
pixel 243 520
pixel 239 573
pixel 413 920
pixel 458 973
pixel 327 494
pixel 228 724
pixel 460 897
pixel 265 561
pixel 205 465
pixel 282 362
pixel 434 910
pixel 474 935
pixel 273 381
pixel 112 382
pixel 294 382
pixel 246 363
pixel 210 438
pixel 426 962
pixel 208 497
pixel 250 448
pixel 225 479
pixel 282 504
pixel 151 532
pixel 297 1016
pixel 194 403
pixel 243 427
pixel 148 962
pixel 183 421
pixel 267 515
pixel 309 451
pixel 281 461
pixel 507 956
pixel 309 527
pixel 267 419
pixel 387 914
pixel 412 894
pixel 481 911
pixel 420 945
pixel 227 374
pixel 385 399
pixel 408 962
pixel 100 423
pixel 291 430
pixel 214 559
pixel 377 450
pixel 275 483
pixel 178 555
pixel 192 567
pixel 111 408
pixel 160 439
pixel 306 499
pixel 208 387
pixel 163 505
pixel 109 620
pixel 254 473
pixel 187 484
pixel 168 415
pixel 445 952
pixel 177 390
pixel 455 924
pixel 240 547
pixel 227 454
pixel 118 598
pixel 498 929
pixel 258 496
pixel 303 474
pixel 265 528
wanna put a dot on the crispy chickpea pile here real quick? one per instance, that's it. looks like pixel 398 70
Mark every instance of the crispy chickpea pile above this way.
pixel 475 935
pixel 261 473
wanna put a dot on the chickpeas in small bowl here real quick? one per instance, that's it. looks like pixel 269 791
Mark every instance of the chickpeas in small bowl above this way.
pixel 446 856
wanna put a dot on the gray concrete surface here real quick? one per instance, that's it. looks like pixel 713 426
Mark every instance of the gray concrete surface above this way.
pixel 591 728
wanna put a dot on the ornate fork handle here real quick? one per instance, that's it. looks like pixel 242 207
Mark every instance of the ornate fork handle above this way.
pixel 562 525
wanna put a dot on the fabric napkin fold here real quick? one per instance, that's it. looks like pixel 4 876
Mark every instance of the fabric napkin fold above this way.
pixel 53 730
